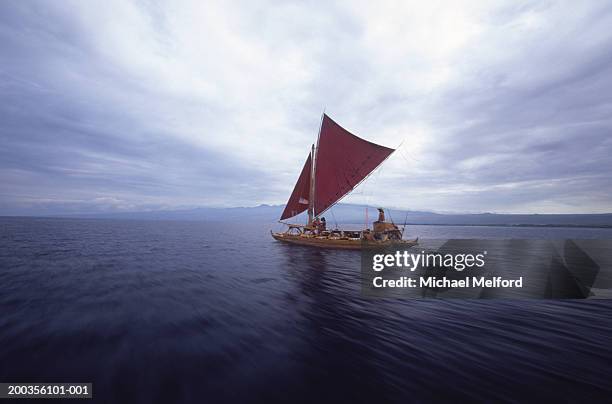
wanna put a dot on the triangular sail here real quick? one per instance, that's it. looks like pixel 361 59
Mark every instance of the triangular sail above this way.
pixel 298 201
pixel 343 160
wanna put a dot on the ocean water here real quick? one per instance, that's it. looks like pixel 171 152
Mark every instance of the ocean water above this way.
pixel 210 312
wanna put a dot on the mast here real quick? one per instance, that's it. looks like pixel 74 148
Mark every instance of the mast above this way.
pixel 312 185
pixel 311 199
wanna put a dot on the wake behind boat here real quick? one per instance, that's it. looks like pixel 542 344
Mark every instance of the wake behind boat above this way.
pixel 339 162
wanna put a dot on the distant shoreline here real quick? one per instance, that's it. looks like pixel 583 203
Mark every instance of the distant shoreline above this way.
pixel 216 220
pixel 582 226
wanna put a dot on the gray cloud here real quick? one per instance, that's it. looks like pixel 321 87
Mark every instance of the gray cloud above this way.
pixel 127 106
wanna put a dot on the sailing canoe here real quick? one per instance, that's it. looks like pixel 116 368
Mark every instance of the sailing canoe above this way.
pixel 339 163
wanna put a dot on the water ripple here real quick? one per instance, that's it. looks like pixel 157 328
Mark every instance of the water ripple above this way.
pixel 180 311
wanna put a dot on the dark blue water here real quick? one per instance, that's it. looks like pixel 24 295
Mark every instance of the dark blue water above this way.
pixel 207 312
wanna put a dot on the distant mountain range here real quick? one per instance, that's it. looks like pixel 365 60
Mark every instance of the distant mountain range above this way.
pixel 348 213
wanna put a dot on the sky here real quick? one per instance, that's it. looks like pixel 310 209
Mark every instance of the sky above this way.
pixel 142 105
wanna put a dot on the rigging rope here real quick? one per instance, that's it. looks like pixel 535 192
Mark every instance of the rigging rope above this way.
pixel 334 217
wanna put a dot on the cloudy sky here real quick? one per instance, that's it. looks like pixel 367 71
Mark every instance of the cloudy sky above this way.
pixel 119 105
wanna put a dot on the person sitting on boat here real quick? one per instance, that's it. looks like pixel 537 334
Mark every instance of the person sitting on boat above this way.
pixel 315 225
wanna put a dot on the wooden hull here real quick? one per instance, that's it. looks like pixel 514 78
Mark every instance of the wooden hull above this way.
pixel 345 244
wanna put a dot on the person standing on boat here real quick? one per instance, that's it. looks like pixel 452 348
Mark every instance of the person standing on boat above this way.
pixel 322 225
pixel 381 215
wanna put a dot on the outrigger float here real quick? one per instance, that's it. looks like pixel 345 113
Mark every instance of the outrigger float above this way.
pixel 339 162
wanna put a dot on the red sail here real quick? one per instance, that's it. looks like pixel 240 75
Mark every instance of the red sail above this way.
pixel 298 201
pixel 343 161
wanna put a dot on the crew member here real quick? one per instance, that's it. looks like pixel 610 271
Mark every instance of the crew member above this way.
pixel 322 225
pixel 381 215
pixel 315 224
